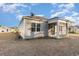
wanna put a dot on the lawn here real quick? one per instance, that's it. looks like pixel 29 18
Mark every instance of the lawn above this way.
pixel 38 47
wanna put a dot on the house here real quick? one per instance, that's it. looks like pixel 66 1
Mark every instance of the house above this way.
pixel 36 26
pixel 4 29
pixel 57 27
pixel 33 27
pixel 77 29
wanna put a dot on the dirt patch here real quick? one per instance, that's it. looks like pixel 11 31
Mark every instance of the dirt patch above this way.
pixel 7 36
pixel 38 47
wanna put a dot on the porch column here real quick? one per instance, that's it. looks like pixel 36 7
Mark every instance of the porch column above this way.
pixel 57 34
pixel 24 29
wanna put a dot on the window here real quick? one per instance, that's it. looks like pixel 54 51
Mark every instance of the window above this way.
pixel 38 27
pixel 35 27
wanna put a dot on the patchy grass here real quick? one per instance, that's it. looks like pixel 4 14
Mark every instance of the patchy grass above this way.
pixel 38 47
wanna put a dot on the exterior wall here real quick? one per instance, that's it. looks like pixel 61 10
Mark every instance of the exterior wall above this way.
pixel 60 29
pixel 77 30
pixel 43 29
pixel 21 29
pixel 70 26
pixel 63 25
pixel 27 29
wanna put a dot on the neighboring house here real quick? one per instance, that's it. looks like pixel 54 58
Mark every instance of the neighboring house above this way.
pixel 70 26
pixel 77 29
pixel 5 29
pixel 33 27
pixel 36 26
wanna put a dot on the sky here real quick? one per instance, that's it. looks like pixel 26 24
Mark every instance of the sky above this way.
pixel 11 13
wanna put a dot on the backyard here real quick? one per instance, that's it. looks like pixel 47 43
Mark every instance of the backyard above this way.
pixel 38 47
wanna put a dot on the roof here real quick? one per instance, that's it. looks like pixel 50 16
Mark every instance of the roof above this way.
pixel 77 26
pixel 68 20
pixel 34 17
pixel 55 19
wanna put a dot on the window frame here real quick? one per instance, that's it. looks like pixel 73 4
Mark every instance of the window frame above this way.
pixel 33 27
pixel 36 27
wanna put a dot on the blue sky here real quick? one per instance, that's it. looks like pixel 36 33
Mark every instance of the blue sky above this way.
pixel 11 13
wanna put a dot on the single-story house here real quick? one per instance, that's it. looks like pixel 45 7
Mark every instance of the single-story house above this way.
pixel 36 26
pixel 33 27
pixel 4 29
pixel 71 28
pixel 76 29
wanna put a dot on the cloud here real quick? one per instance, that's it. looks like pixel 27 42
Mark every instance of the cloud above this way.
pixel 66 11
pixel 66 6
pixel 75 19
pixel 54 4
pixel 7 8
pixel 34 4
pixel 51 11
pixel 1 4
pixel 69 18
pixel 61 5
pixel 69 6
pixel 74 13
pixel 62 10
pixel 57 14
pixel 11 7
pixel 19 17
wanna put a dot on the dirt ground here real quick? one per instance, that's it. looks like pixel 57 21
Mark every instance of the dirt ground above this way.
pixel 38 47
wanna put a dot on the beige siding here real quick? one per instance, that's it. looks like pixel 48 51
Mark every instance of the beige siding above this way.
pixel 30 34
pixel 21 28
